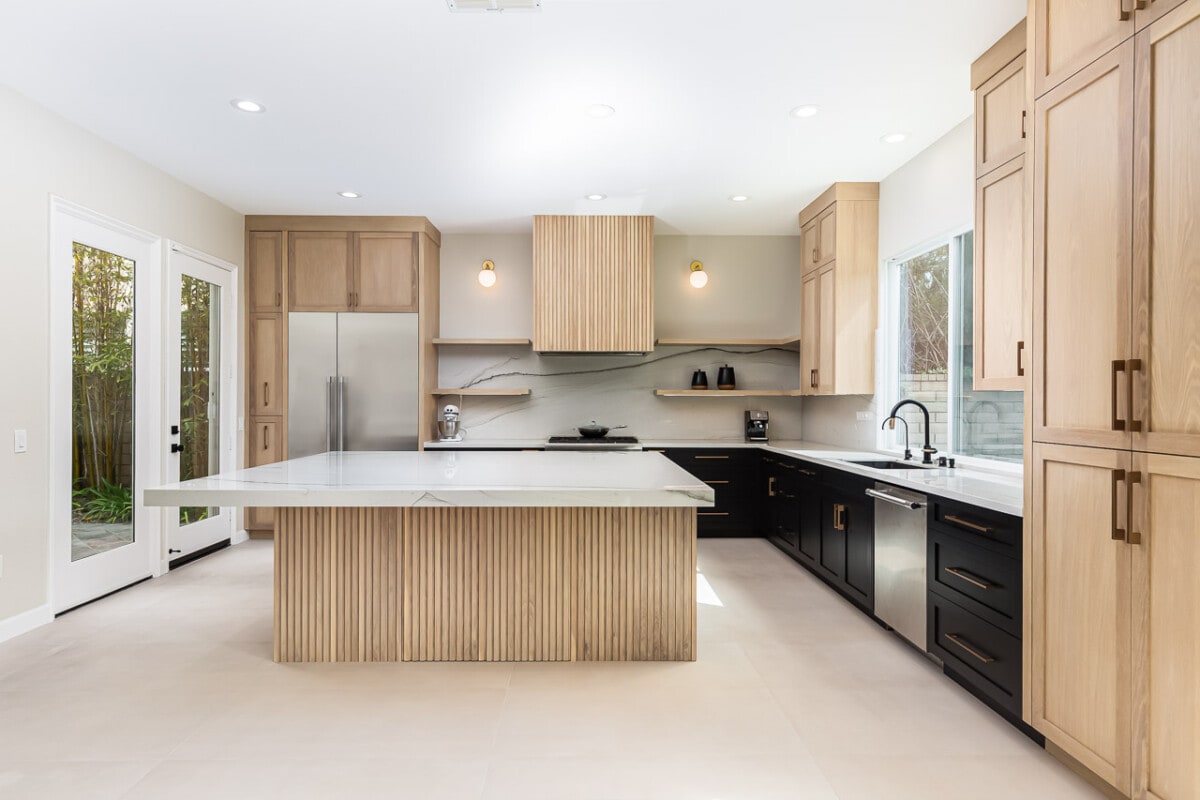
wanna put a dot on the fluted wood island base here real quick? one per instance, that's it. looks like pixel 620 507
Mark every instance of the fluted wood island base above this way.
pixel 485 584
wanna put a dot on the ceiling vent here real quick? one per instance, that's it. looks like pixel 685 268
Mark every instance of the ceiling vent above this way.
pixel 494 5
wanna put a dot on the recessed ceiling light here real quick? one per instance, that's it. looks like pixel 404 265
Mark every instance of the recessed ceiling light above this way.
pixel 805 111
pixel 597 197
pixel 249 106
pixel 349 195
pixel 600 111
pixel 739 198
pixel 894 138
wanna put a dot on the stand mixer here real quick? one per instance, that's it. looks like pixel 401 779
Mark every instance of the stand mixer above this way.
pixel 447 425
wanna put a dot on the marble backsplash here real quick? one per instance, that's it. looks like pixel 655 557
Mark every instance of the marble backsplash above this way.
pixel 619 390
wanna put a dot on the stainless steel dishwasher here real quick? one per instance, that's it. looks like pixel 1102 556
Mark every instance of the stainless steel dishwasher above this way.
pixel 900 560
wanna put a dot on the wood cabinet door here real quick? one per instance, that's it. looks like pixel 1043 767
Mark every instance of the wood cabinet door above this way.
pixel 1082 260
pixel 1000 118
pixel 827 236
pixel 385 272
pixel 827 332
pixel 319 274
pixel 265 271
pixel 810 252
pixel 1166 233
pixel 1070 34
pixel 810 312
pixel 267 356
pixel 1166 597
pixel 265 446
pixel 1153 10
pixel 1080 606
pixel 1000 277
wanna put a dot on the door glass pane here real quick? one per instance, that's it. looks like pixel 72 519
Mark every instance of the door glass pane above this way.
pixel 101 402
pixel 923 334
pixel 199 387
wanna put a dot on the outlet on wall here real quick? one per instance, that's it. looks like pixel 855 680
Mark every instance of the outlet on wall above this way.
pixel 1 566
pixel 865 416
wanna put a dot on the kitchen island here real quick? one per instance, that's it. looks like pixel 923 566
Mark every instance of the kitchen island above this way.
pixel 479 556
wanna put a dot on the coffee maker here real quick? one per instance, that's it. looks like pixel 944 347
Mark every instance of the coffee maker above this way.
pixel 756 426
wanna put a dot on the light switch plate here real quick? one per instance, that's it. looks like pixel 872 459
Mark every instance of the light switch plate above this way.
pixel 20 441
pixel 865 416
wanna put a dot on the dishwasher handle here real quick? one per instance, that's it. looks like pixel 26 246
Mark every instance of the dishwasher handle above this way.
pixel 896 501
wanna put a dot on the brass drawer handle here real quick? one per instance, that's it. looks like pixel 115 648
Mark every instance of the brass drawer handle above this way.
pixel 711 458
pixel 265 430
pixel 1118 533
pixel 716 483
pixel 771 486
pixel 1020 345
pixel 972 525
pixel 278 299
pixel 969 578
pixel 1131 366
pixel 839 517
pixel 1118 424
pixel 1134 537
pixel 266 394
pixel 656 451
pixel 984 657
pixel 1122 14
pixel 712 513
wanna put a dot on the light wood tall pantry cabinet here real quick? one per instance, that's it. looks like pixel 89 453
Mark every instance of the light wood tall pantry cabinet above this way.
pixel 839 287
pixel 1114 504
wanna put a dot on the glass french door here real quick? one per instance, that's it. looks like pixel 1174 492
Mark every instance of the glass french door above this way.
pixel 105 385
pixel 201 313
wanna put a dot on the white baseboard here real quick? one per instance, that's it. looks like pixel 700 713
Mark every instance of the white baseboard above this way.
pixel 239 537
pixel 25 622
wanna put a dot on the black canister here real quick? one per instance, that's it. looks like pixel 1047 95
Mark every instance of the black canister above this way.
pixel 699 379
pixel 725 379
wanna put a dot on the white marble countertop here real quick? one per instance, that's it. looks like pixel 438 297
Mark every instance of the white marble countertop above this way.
pixel 998 491
pixel 465 479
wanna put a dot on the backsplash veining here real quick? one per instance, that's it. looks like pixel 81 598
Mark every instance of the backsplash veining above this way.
pixel 616 390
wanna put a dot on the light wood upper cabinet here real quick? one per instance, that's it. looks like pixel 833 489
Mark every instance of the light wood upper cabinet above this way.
pixel 265 273
pixel 267 357
pixel 1082 255
pixel 593 284
pixel 1081 580
pixel 1166 605
pixel 1071 34
pixel 319 271
pixel 839 293
pixel 1166 226
pixel 385 272
pixel 999 278
pixel 1000 104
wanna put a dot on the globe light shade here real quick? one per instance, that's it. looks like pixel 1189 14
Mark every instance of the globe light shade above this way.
pixel 699 277
pixel 487 275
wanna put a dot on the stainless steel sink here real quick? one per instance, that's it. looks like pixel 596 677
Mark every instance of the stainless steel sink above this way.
pixel 890 464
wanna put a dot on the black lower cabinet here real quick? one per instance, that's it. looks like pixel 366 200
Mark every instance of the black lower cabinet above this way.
pixel 848 540
pixel 733 474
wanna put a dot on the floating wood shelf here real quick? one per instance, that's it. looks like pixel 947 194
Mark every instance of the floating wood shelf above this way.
pixel 727 392
pixel 487 342
pixel 483 392
pixel 792 340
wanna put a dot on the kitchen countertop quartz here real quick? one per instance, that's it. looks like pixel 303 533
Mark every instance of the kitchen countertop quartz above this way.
pixel 461 479
pixel 995 490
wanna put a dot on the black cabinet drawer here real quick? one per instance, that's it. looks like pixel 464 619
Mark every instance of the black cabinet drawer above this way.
pixel 981 580
pixel 978 652
pixel 991 528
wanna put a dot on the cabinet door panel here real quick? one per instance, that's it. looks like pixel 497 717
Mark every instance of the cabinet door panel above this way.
pixel 827 333
pixel 319 271
pixel 859 521
pixel 833 538
pixel 999 118
pixel 810 310
pixel 263 447
pixel 1153 10
pixel 1166 505
pixel 827 237
pixel 1083 255
pixel 385 272
pixel 1070 34
pixel 1080 607
pixel 1167 235
pixel 267 390
pixel 999 277
pixel 266 271
pixel 810 253
pixel 810 522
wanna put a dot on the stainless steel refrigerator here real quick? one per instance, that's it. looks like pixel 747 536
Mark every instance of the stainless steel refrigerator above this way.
pixel 352 382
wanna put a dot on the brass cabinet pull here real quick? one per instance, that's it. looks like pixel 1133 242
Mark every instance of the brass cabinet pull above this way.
pixel 712 513
pixel 979 654
pixel 1141 5
pixel 810 473
pixel 1118 533
pixel 266 393
pixel 968 577
pixel 1122 13
pixel 1134 537
pixel 712 458
pixel 771 486
pixel 656 451
pixel 975 526
pixel 265 433
pixel 816 255
pixel 1118 424
pixel 1020 350
pixel 349 299
pixel 839 519
pixel 1131 366
pixel 278 299
pixel 716 483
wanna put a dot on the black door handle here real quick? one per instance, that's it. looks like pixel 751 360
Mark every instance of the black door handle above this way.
pixel 176 447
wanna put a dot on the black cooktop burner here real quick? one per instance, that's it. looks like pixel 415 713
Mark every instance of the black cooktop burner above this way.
pixel 593 439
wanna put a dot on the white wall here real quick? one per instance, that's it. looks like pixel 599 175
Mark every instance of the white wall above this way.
pixel 931 195
pixel 753 292
pixel 44 155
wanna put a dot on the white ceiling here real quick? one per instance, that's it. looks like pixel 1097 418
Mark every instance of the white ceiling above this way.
pixel 478 120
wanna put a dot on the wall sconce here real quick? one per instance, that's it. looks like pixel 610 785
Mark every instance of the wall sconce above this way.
pixel 699 277
pixel 487 275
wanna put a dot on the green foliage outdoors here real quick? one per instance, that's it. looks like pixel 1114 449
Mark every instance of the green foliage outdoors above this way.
pixel 107 502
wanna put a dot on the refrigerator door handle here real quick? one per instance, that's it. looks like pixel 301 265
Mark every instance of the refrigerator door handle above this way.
pixel 341 422
pixel 330 402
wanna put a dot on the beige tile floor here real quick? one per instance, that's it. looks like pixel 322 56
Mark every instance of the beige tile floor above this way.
pixel 167 690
